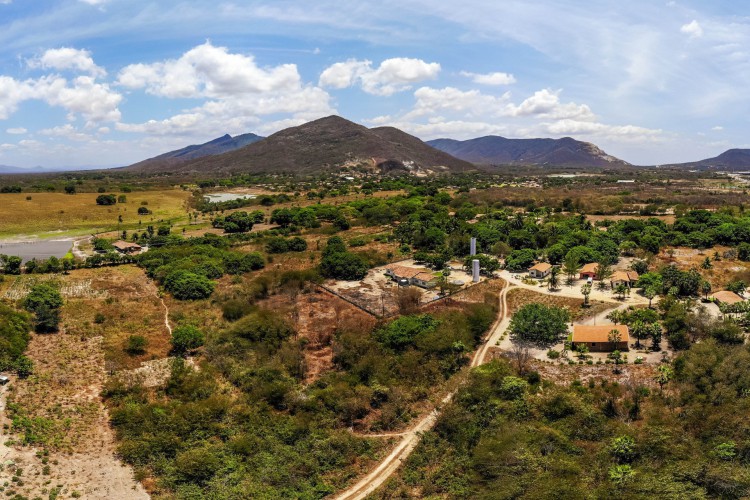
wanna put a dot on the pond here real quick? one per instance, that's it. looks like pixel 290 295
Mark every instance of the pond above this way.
pixel 220 197
pixel 38 249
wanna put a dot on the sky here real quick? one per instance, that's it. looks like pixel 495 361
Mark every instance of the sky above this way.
pixel 100 83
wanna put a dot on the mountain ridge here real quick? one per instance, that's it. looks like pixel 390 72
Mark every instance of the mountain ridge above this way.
pixel 320 145
pixel 497 150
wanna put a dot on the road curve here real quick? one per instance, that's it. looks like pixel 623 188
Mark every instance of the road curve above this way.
pixel 388 466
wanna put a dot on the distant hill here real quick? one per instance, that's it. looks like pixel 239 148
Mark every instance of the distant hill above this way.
pixel 496 150
pixel 730 160
pixel 326 144
pixel 217 146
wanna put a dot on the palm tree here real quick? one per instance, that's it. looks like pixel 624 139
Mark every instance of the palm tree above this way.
pixel 586 291
pixel 650 293
pixel 570 268
pixel 553 281
pixel 621 289
pixel 706 288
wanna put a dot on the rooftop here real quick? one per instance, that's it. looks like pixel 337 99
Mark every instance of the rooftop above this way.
pixel 727 297
pixel 599 333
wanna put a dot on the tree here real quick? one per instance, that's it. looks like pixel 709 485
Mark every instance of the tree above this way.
pixel 554 280
pixel 136 344
pixel 186 338
pixel 640 266
pixel 620 290
pixel 343 266
pixel 586 291
pixel 70 188
pixel 11 264
pixel 650 293
pixel 705 288
pixel 706 264
pixel 570 268
pixel 539 324
pixel 143 211
pixel 663 376
pixel 185 285
pixel 44 301
pixel 106 199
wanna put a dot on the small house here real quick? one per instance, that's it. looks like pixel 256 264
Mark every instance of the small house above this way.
pixel 726 297
pixel 540 270
pixel 126 247
pixel 589 271
pixel 597 337
pixel 411 275
pixel 627 278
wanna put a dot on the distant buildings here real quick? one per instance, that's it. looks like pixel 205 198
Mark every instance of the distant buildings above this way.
pixel 126 247
pixel 627 278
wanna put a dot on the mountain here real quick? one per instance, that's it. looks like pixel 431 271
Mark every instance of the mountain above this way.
pixel 326 144
pixel 731 160
pixel 217 146
pixel 496 150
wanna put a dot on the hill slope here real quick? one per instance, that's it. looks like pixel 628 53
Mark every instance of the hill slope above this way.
pixel 732 160
pixel 325 144
pixel 496 150
pixel 217 146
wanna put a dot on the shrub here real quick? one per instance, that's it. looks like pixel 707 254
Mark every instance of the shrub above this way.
pixel 143 211
pixel 136 344
pixel 188 286
pixel 343 266
pixel 186 338
pixel 106 199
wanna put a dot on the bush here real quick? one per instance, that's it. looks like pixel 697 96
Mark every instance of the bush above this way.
pixel 143 211
pixel 539 324
pixel 186 338
pixel 44 301
pixel 99 318
pixel 106 199
pixel 235 309
pixel 185 285
pixel 136 344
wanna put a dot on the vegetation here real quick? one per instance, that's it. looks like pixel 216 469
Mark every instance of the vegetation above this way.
pixel 44 301
pixel 14 337
pixel 538 324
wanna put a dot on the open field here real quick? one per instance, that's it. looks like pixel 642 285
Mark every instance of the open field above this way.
pixel 58 214
pixel 517 297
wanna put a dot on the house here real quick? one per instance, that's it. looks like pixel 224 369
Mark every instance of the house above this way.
pixel 411 275
pixel 597 337
pixel 589 271
pixel 627 278
pixel 540 270
pixel 126 247
pixel 726 297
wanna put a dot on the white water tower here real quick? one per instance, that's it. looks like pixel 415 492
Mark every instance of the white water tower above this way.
pixel 475 270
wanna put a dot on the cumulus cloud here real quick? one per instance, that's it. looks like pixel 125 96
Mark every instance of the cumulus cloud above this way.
pixel 66 131
pixel 16 131
pixel 496 78
pixel 692 29
pixel 393 75
pixel 94 2
pixel 208 71
pixel 451 112
pixel 68 58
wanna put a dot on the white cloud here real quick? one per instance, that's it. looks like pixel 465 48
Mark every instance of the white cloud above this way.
pixel 393 75
pixel 95 101
pixel 496 78
pixel 208 71
pixel 6 2
pixel 12 93
pixel 717 128
pixel 66 131
pixel 546 104
pixel 68 58
pixel 692 29
pixel 16 131
pixel 94 2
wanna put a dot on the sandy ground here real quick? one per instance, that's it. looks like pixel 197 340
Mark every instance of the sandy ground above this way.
pixel 377 292
pixel 83 463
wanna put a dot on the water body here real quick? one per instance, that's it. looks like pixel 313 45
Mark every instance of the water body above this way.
pixel 39 249
pixel 219 197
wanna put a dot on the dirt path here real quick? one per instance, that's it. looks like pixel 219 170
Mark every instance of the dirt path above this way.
pixel 79 459
pixel 410 439
pixel 166 316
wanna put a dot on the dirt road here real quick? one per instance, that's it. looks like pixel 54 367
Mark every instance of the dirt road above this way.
pixel 410 439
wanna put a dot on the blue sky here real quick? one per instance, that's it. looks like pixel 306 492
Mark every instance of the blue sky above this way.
pixel 111 82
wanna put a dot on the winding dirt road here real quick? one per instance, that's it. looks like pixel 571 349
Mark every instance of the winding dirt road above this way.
pixel 410 439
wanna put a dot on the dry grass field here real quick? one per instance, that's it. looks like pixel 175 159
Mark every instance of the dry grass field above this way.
pixel 67 215
pixel 517 297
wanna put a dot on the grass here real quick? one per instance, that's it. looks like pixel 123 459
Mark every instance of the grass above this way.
pixel 58 214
